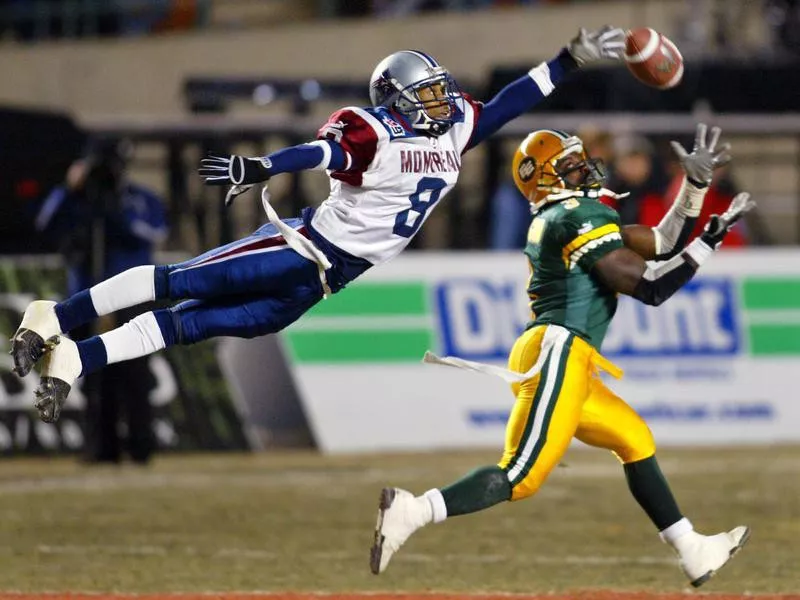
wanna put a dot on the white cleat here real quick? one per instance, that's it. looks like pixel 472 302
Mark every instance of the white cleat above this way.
pixel 701 556
pixel 33 337
pixel 400 514
pixel 60 368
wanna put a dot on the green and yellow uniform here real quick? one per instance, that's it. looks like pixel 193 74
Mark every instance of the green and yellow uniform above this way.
pixel 571 310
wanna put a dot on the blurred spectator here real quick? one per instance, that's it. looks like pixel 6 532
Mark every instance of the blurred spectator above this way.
pixel 637 172
pixel 717 200
pixel 140 18
pixel 783 19
pixel 598 143
pixel 104 225
pixel 48 19
pixel 406 7
pixel 510 217
pixel 633 168
pixel 56 19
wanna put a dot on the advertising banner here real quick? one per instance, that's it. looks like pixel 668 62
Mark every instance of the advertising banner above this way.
pixel 712 365
pixel 193 409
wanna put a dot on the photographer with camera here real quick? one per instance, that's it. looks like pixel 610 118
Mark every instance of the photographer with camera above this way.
pixel 103 225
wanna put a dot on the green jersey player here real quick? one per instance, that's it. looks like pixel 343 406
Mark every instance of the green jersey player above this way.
pixel 580 259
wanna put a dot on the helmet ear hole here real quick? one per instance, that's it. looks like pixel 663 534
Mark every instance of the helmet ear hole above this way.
pixel 403 105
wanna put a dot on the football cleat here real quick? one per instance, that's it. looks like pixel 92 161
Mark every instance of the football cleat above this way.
pixel 33 338
pixel 701 556
pixel 400 514
pixel 60 368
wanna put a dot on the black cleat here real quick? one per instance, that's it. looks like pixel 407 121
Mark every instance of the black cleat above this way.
pixel 50 397
pixel 35 336
pixel 384 502
pixel 60 368
pixel 27 349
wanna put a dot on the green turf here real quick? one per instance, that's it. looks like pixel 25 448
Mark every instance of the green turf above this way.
pixel 276 521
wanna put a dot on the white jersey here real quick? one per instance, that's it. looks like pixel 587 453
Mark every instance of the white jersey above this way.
pixel 393 179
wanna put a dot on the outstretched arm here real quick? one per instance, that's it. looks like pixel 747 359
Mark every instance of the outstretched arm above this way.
pixel 625 272
pixel 526 92
pixel 345 144
pixel 669 237
pixel 242 170
pixel 61 196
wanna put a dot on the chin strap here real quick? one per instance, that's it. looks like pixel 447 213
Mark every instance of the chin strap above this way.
pixel 566 194
pixel 431 126
pixel 607 192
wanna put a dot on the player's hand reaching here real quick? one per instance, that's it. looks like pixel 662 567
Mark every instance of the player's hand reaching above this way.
pixel 718 226
pixel 234 170
pixel 700 164
pixel 589 46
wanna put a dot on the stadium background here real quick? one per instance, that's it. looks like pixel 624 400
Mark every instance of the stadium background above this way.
pixel 272 451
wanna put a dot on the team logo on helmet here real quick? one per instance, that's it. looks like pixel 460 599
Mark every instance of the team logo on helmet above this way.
pixel 383 85
pixel 526 169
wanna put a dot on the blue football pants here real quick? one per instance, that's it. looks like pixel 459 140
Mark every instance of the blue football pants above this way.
pixel 251 287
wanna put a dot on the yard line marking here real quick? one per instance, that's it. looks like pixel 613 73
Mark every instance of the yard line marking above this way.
pixel 572 469
pixel 262 554
pixel 98 549
pixel 586 594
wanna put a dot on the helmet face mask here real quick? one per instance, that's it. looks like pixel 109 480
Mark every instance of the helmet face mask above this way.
pixel 430 104
pixel 419 88
pixel 578 171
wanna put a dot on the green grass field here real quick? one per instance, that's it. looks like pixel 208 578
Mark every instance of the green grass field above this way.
pixel 301 522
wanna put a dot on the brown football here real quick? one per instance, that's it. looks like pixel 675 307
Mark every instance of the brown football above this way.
pixel 653 58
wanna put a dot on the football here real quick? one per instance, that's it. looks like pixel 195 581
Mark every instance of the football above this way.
pixel 653 58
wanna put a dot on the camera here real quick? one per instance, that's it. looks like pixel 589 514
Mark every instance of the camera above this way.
pixel 107 160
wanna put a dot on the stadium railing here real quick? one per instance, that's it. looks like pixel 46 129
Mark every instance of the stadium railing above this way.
pixel 766 152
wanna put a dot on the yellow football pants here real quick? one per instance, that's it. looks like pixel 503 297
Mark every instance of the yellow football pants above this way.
pixel 565 399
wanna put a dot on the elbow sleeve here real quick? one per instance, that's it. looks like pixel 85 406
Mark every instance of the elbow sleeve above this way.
pixel 673 231
pixel 669 246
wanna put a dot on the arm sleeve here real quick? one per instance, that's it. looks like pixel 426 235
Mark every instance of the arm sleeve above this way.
pixel 51 205
pixel 520 96
pixel 346 142
pixel 587 240
pixel 317 155
pixel 662 280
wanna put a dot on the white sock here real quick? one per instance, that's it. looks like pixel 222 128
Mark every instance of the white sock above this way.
pixel 138 337
pixel 675 531
pixel 129 288
pixel 438 507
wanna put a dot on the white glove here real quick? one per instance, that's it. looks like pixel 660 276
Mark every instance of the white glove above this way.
pixel 700 164
pixel 589 46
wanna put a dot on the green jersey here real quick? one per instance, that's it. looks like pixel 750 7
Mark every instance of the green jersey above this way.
pixel 565 239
